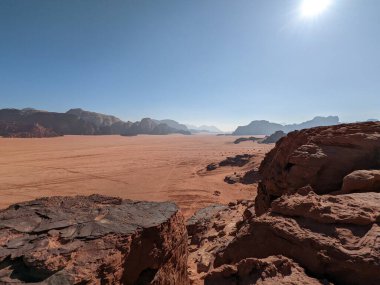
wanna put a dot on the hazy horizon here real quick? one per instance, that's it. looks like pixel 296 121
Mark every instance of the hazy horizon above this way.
pixel 221 63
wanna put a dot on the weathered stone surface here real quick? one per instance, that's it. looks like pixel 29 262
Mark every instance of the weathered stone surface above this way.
pixel 361 181
pixel 211 229
pixel 92 240
pixel 319 157
pixel 333 237
pixel 272 270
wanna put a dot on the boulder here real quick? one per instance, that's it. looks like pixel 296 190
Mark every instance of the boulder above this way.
pixel 268 271
pixel 361 181
pixel 92 240
pixel 320 157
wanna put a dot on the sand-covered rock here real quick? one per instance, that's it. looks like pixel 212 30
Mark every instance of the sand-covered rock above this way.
pixel 320 157
pixel 272 270
pixel 92 240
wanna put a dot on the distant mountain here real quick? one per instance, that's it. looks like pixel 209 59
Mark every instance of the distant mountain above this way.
pixel 98 119
pixel 31 123
pixel 267 128
pixel 152 127
pixel 60 123
pixel 204 128
pixel 173 124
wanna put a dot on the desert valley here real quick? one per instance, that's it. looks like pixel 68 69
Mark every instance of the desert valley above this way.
pixel 187 207
pixel 180 142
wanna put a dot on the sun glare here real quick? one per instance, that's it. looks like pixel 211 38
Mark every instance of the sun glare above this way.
pixel 313 8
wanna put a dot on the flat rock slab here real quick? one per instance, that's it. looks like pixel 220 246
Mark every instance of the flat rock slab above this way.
pixel 94 240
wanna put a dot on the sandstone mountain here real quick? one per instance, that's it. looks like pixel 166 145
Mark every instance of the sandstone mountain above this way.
pixel 99 120
pixel 267 128
pixel 13 122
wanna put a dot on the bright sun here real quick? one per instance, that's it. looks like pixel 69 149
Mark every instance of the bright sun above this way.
pixel 312 8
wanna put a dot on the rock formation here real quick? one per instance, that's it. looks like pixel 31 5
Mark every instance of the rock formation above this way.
pixel 99 120
pixel 253 139
pixel 268 271
pixel 273 138
pixel 14 130
pixel 318 205
pixel 263 127
pixel 210 229
pixel 237 160
pixel 319 157
pixel 81 122
pixel 92 240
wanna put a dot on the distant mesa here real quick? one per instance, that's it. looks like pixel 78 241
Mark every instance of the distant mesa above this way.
pixel 263 127
pixel 29 122
pixel 204 129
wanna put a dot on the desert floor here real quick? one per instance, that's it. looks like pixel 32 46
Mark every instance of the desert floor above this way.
pixel 155 168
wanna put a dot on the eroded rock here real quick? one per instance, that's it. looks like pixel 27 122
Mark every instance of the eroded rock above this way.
pixel 92 240
pixel 269 271
pixel 333 237
pixel 319 157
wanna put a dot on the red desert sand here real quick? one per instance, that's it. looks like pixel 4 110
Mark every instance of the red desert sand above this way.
pixel 152 168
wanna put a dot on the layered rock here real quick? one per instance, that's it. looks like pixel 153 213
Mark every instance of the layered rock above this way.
pixel 334 237
pixel 269 271
pixel 319 157
pixel 92 240
pixel 210 229
pixel 318 204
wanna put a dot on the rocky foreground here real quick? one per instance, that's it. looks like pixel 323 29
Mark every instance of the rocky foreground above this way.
pixel 92 240
pixel 315 220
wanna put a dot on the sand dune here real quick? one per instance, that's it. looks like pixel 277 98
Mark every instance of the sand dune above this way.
pixel 154 168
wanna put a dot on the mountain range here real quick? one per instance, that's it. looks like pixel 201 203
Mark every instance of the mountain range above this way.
pixel 15 122
pixel 261 127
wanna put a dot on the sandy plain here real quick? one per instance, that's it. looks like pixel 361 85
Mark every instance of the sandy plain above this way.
pixel 153 168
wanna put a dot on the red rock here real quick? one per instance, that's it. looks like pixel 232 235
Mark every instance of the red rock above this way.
pixel 319 157
pixel 361 181
pixel 92 240
pixel 333 237
pixel 272 270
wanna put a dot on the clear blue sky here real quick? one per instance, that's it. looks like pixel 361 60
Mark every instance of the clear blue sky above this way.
pixel 222 62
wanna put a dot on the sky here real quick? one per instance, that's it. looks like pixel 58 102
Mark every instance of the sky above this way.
pixel 214 62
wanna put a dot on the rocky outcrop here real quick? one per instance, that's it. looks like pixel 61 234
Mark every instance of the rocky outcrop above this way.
pixel 318 204
pixel 263 127
pixel 361 181
pixel 253 139
pixel 319 157
pixel 268 271
pixel 273 138
pixel 92 240
pixel 17 130
pixel 333 237
pixel 210 229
